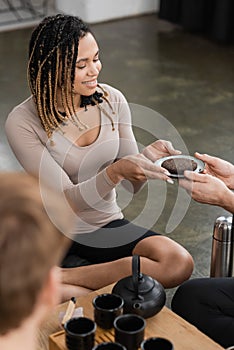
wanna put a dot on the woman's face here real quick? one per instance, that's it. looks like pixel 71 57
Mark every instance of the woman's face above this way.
pixel 88 66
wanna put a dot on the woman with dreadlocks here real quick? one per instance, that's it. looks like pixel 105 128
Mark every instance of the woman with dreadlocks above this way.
pixel 76 134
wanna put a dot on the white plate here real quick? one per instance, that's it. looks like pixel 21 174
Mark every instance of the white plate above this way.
pixel 200 164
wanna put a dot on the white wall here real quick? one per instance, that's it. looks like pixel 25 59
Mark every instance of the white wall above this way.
pixel 93 11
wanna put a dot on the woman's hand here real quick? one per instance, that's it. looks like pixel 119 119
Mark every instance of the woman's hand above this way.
pixel 219 168
pixel 136 168
pixel 159 149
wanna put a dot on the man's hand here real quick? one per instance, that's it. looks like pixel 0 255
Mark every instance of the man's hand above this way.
pixel 219 168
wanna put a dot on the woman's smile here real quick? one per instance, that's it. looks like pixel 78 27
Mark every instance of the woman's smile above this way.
pixel 91 83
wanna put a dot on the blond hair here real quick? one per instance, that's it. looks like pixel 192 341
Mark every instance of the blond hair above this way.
pixel 30 244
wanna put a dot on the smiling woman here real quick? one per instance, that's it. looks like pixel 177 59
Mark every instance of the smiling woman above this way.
pixel 88 67
pixel 76 134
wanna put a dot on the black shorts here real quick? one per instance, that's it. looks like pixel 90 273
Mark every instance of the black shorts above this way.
pixel 95 255
pixel 208 303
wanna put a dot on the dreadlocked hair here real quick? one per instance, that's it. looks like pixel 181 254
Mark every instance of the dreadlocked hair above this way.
pixel 53 51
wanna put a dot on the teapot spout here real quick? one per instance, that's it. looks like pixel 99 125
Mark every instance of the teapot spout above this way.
pixel 137 306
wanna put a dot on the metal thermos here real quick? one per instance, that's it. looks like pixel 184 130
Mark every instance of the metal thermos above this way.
pixel 222 248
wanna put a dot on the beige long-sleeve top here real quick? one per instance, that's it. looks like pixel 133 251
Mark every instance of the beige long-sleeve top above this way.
pixel 79 173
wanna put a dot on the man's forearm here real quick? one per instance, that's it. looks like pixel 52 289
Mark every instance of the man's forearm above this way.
pixel 228 201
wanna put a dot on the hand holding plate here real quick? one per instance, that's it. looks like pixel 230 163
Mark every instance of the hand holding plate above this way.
pixel 159 149
pixel 219 168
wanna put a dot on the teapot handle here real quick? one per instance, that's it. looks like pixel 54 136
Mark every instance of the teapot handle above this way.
pixel 136 275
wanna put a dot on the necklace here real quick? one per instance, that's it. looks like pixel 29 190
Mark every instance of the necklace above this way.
pixel 91 100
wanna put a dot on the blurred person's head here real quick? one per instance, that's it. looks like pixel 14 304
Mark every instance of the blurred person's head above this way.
pixel 30 248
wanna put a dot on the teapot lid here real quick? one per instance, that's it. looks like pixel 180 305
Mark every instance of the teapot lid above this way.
pixel 144 284
pixel 141 284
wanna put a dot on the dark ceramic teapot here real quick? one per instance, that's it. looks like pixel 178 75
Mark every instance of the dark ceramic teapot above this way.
pixel 142 294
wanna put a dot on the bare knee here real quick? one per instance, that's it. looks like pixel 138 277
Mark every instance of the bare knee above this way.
pixel 182 266
pixel 165 260
pixel 175 268
pixel 179 264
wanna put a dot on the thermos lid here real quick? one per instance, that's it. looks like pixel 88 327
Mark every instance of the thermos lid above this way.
pixel 223 229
